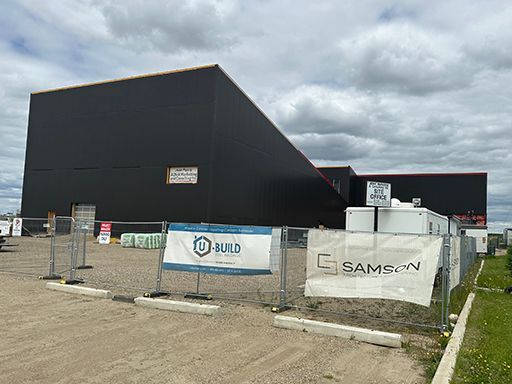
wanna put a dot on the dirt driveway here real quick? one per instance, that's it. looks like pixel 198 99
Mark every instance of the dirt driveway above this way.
pixel 53 337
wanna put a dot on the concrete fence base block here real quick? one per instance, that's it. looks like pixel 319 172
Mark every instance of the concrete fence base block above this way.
pixel 100 293
pixel 178 306
pixel 386 339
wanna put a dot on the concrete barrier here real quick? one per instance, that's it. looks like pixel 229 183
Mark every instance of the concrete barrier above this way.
pixel 178 306
pixel 77 289
pixel 386 339
pixel 446 367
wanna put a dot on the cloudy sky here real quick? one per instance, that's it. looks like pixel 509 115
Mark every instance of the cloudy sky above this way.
pixel 383 86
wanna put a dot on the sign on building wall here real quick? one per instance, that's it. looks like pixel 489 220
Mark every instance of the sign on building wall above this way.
pixel 182 175
pixel 17 226
pixel 105 231
pixel 378 194
pixel 372 265
pixel 218 249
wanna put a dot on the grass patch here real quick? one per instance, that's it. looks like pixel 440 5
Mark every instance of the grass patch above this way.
pixel 460 293
pixel 495 274
pixel 429 354
pixel 486 354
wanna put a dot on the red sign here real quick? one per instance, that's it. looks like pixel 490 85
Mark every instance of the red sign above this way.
pixel 106 227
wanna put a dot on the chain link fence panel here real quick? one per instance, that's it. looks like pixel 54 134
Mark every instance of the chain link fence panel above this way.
pixel 370 312
pixel 128 265
pixel 30 253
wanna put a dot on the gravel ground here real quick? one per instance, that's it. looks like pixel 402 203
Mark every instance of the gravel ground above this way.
pixel 53 337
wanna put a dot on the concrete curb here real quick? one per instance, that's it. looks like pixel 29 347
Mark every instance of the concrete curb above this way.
pixel 446 367
pixel 76 289
pixel 178 306
pixel 479 272
pixel 386 339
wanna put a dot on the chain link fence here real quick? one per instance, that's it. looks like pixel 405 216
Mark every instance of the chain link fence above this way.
pixel 360 310
pixel 131 264
pixel 28 254
pixel 128 265
pixel 263 289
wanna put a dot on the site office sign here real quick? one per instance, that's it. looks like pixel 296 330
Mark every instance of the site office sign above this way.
pixel 378 194
pixel 105 231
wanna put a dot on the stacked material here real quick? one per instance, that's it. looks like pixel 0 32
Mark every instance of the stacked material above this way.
pixel 147 240
pixel 141 240
pixel 128 240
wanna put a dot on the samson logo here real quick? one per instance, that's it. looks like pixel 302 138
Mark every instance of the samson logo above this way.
pixel 379 269
pixel 202 246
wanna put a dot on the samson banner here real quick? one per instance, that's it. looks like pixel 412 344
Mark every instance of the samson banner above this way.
pixel 455 262
pixel 368 265
pixel 218 249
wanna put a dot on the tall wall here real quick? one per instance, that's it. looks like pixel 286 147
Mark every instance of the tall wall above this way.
pixel 110 144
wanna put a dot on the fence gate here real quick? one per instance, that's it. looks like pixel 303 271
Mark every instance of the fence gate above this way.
pixel 62 245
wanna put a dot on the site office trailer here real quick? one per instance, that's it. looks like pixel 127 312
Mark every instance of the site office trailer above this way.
pixel 397 220
pixel 114 145
pixel 480 234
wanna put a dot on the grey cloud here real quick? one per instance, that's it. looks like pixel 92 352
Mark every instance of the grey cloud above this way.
pixel 404 58
pixel 338 146
pixel 169 26
pixel 315 110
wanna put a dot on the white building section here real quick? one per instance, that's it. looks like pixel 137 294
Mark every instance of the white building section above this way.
pixel 400 218
pixel 480 234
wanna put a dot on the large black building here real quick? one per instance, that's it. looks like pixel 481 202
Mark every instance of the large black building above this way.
pixel 454 194
pixel 113 145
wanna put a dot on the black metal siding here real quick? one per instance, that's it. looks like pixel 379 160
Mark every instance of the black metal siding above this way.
pixel 259 176
pixel 343 174
pixel 446 194
pixel 110 144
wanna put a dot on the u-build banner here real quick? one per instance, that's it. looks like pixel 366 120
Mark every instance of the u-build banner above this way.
pixel 368 265
pixel 218 249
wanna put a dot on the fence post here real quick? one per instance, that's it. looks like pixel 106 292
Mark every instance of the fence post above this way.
pixel 444 257
pixel 51 272
pixel 283 267
pixel 85 229
pixel 74 252
pixel 448 282
pixel 51 268
pixel 161 258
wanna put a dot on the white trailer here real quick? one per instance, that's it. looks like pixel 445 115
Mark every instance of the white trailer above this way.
pixel 507 236
pixel 480 234
pixel 401 219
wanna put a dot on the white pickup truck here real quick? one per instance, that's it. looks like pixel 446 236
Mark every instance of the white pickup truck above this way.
pixel 5 231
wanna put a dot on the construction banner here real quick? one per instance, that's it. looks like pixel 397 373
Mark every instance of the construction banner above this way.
pixel 372 265
pixel 218 249
pixel 455 262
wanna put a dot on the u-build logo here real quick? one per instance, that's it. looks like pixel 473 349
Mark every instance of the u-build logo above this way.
pixel 203 246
